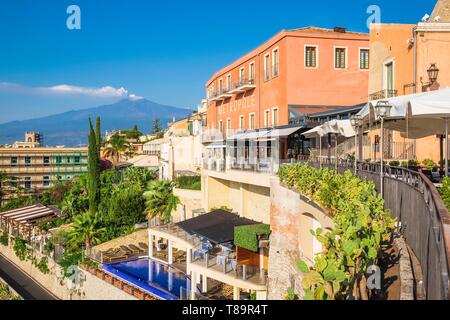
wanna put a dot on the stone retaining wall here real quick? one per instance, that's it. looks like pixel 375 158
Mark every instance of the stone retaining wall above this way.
pixel 90 288
pixel 287 240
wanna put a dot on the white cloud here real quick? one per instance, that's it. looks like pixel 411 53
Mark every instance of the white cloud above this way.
pixel 101 92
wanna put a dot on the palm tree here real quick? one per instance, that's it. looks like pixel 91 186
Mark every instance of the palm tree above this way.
pixel 115 147
pixel 160 200
pixel 68 205
pixel 87 229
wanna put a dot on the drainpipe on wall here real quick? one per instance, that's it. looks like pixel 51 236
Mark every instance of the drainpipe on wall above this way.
pixel 415 59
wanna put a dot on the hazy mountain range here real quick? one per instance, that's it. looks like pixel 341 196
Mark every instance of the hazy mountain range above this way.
pixel 71 128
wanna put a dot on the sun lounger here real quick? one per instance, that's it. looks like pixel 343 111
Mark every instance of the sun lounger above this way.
pixel 135 249
pixel 126 249
pixel 143 245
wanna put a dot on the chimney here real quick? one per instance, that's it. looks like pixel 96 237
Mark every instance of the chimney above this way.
pixel 340 30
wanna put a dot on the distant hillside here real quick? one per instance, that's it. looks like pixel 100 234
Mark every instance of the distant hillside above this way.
pixel 71 128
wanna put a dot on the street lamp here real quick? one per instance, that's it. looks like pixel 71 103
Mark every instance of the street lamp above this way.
pixel 355 120
pixel 382 111
pixel 433 73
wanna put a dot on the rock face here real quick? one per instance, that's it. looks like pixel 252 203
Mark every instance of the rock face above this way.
pixel 442 9
pixel 291 218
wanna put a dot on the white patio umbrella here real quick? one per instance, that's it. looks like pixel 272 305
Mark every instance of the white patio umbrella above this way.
pixel 416 115
pixel 337 127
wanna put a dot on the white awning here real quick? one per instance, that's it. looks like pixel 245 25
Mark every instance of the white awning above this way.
pixel 216 145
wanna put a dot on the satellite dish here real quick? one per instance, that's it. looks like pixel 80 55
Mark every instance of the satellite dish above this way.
pixel 426 18
pixel 437 19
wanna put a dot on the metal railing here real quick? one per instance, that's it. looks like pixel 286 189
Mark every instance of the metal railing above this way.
pixel 424 219
pixel 383 94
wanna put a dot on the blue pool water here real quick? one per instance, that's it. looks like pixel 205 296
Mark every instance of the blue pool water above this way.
pixel 156 278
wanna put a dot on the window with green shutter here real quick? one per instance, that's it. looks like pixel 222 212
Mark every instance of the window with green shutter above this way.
pixel 310 57
pixel 339 60
pixel 364 59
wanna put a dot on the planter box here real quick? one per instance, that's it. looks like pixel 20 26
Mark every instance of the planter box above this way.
pixel 128 289
pixel 117 283
pixel 138 294
pixel 99 273
pixel 108 278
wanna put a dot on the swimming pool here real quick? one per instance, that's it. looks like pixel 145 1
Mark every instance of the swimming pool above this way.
pixel 156 278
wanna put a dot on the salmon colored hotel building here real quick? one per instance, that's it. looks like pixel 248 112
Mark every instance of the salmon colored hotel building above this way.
pixel 293 74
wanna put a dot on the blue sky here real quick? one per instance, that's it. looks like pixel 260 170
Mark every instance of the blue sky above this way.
pixel 161 50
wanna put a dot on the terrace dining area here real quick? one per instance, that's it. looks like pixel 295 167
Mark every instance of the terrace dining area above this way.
pixel 204 247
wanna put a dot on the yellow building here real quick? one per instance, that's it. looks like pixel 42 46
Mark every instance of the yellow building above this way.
pixel 36 169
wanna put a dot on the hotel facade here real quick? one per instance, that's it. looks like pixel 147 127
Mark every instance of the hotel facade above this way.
pixel 259 105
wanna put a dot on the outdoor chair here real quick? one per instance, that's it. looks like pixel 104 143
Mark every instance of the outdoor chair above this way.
pixel 126 250
pixel 143 246
pixel 135 249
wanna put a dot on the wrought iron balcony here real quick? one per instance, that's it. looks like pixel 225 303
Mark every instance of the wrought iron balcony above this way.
pixel 383 94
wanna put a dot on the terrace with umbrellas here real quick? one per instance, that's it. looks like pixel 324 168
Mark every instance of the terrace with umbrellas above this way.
pixel 225 255
pixel 413 116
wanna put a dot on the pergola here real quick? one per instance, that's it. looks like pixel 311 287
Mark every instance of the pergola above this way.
pixel 23 221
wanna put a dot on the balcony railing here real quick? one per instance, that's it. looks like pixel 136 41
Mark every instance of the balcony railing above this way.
pixel 383 94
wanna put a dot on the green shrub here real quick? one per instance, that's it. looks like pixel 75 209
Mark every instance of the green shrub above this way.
pixel 189 182
pixel 394 163
pixel 429 164
pixel 247 236
pixel 445 191
pixel 42 265
pixel 4 238
pixel 361 227
pixel 20 249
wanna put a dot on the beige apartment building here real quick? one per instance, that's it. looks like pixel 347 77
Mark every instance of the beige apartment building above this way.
pixel 37 168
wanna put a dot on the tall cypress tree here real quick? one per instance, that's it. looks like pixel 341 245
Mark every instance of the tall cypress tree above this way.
pixel 94 170
pixel 98 135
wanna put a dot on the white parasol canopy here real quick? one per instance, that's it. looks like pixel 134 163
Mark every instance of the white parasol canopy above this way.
pixel 434 105
pixel 340 127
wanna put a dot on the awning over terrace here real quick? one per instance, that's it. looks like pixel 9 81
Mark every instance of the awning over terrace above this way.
pixel 216 226
pixel 264 134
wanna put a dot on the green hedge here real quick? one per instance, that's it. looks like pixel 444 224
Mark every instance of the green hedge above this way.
pixel 189 182
pixel 247 236
pixel 362 227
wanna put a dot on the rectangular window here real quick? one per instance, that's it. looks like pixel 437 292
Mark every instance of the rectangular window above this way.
pixel 241 75
pixel 364 59
pixel 229 124
pixel 27 183
pixel 46 161
pixel 275 63
pixel 251 122
pixel 68 160
pixel 339 58
pixel 241 122
pixel 46 181
pixel 266 67
pixel 275 117
pixel 58 160
pixel 229 82
pixel 311 57
pixel 220 126
pixel 27 161
pixel 14 161
pixel 220 86
pixel 77 160
pixel 266 118
pixel 252 72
